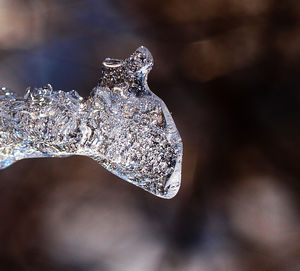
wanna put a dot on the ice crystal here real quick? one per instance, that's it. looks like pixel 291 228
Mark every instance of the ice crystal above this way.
pixel 122 125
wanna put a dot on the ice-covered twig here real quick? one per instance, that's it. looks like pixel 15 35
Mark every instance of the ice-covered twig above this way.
pixel 122 125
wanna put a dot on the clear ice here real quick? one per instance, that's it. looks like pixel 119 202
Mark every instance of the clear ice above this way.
pixel 122 125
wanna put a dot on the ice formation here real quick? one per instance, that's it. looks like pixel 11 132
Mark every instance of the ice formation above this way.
pixel 122 125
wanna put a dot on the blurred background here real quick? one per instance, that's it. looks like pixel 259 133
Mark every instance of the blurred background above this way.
pixel 228 71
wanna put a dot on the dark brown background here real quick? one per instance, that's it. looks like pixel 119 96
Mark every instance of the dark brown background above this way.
pixel 229 72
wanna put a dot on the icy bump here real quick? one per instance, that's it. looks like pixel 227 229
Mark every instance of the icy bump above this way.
pixel 122 125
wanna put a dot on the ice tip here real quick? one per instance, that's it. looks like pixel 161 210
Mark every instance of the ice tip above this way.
pixel 145 52
pixel 143 57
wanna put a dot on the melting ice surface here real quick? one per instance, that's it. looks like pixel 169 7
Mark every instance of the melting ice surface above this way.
pixel 122 125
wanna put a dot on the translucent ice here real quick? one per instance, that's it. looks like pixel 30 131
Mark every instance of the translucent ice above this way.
pixel 122 125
